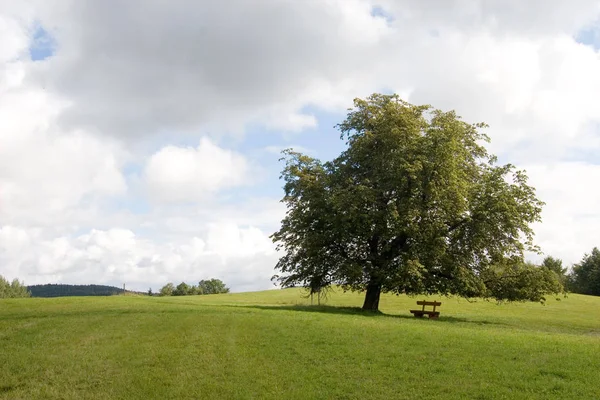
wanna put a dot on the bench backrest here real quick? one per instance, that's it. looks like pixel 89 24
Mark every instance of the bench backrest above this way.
pixel 429 303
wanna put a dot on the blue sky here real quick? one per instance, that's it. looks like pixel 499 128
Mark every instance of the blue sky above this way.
pixel 589 36
pixel 42 44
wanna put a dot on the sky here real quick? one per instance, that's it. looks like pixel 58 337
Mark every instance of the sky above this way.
pixel 139 139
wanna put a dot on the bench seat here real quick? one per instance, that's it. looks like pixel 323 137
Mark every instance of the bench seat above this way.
pixel 431 313
pixel 421 313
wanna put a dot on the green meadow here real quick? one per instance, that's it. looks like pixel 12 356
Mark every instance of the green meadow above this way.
pixel 274 345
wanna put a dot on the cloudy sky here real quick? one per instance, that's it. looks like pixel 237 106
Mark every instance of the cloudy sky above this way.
pixel 139 139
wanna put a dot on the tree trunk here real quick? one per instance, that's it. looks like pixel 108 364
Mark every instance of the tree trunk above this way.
pixel 372 297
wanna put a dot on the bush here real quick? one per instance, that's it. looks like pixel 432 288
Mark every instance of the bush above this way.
pixel 12 289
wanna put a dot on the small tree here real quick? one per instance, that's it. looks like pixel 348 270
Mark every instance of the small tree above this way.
pixel 555 265
pixel 183 289
pixel 514 282
pixel 212 286
pixel 585 277
pixel 167 290
pixel 13 289
pixel 415 204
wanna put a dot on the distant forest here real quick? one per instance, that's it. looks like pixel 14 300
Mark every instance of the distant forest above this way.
pixel 59 290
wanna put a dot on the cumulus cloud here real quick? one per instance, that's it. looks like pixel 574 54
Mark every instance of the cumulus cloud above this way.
pixel 182 64
pixel 324 53
pixel 45 171
pixel 571 221
pixel 186 174
pixel 243 257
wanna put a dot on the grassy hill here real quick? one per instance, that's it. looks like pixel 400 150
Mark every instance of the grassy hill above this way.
pixel 273 345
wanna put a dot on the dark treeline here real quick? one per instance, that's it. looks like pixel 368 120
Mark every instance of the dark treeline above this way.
pixel 59 290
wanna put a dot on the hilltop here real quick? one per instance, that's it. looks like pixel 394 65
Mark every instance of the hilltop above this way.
pixel 273 344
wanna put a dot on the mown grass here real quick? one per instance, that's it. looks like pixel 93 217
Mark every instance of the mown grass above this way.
pixel 273 345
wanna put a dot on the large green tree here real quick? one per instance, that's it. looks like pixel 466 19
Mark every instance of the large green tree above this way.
pixel 415 204
pixel 585 277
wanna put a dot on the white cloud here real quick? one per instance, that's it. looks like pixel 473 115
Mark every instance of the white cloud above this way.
pixel 185 174
pixel 206 63
pixel 571 221
pixel 45 172
pixel 14 40
pixel 228 240
pixel 243 257
pixel 505 63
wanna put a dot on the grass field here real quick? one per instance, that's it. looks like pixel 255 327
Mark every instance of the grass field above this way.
pixel 273 345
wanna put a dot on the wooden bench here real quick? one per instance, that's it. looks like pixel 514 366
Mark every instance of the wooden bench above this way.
pixel 432 314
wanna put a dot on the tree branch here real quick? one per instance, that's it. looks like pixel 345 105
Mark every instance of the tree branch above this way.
pixel 498 278
pixel 442 274
pixel 395 247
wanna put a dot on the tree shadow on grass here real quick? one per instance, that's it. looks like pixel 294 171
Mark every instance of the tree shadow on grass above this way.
pixel 181 308
pixel 360 312
pixel 10 388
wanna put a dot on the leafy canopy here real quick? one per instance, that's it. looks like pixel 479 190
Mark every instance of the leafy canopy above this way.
pixel 415 204
pixel 554 264
pixel 585 277
pixel 12 289
pixel 212 286
pixel 205 286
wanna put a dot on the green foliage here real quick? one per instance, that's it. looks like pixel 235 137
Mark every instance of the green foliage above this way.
pixel 415 205
pixel 210 286
pixel 585 277
pixel 12 289
pixel 515 282
pixel 183 289
pixel 167 290
pixel 554 264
